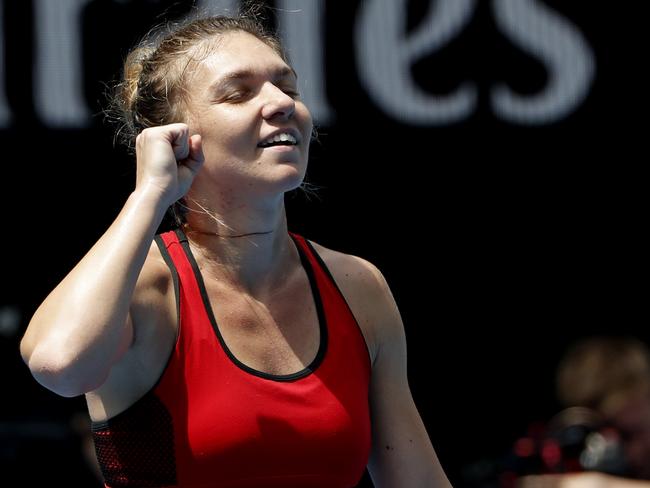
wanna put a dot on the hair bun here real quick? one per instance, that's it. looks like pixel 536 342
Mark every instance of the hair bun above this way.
pixel 133 67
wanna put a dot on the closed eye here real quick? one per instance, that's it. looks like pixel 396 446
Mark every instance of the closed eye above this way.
pixel 236 96
pixel 242 94
pixel 292 93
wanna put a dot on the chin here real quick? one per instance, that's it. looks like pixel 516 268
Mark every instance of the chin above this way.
pixel 292 185
pixel 293 176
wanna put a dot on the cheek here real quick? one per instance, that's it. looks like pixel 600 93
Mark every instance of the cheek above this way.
pixel 227 138
pixel 224 122
pixel 305 116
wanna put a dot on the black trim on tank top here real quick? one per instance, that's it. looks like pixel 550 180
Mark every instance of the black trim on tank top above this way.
pixel 324 267
pixel 172 267
pixel 322 321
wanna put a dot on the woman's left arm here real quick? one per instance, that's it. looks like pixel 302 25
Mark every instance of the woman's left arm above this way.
pixel 402 455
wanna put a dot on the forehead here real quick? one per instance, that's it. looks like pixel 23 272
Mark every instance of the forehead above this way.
pixel 238 52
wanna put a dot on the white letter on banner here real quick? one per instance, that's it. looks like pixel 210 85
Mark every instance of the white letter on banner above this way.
pixel 58 76
pixel 568 58
pixel 301 28
pixel 5 111
pixel 385 55
pixel 218 7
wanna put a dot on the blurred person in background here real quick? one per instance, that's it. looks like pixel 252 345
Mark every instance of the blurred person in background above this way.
pixel 609 376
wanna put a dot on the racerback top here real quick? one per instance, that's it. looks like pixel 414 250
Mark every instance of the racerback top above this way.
pixel 213 422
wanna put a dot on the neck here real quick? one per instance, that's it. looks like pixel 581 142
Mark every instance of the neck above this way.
pixel 247 249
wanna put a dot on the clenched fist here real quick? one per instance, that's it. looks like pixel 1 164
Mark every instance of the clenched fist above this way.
pixel 168 159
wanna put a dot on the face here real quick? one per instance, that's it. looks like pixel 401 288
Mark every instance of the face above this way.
pixel 240 96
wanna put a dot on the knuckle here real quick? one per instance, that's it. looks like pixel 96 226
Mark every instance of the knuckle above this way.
pixel 146 133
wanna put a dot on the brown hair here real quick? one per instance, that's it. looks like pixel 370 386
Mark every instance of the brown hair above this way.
pixel 602 372
pixel 151 91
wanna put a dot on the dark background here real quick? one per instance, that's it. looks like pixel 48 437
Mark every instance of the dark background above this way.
pixel 502 243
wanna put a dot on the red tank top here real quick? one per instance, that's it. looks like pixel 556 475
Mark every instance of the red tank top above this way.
pixel 212 421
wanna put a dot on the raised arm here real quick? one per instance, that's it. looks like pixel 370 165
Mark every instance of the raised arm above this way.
pixel 84 327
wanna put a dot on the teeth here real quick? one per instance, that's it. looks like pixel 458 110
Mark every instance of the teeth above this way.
pixel 282 137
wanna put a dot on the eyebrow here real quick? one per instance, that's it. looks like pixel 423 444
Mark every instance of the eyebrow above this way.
pixel 244 74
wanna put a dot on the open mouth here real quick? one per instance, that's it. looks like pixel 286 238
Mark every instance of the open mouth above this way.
pixel 280 139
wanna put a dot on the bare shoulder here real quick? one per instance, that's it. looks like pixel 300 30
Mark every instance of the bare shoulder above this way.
pixel 350 268
pixel 365 289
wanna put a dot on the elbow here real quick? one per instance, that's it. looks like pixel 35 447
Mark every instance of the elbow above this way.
pixel 64 376
pixel 56 380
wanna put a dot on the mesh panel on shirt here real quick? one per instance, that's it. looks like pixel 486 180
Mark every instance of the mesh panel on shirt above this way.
pixel 137 448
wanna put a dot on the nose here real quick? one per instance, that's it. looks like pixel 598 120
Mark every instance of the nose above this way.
pixel 277 104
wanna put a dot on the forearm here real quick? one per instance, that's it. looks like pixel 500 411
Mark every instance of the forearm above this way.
pixel 81 328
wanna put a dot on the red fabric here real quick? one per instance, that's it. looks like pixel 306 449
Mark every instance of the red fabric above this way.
pixel 234 429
